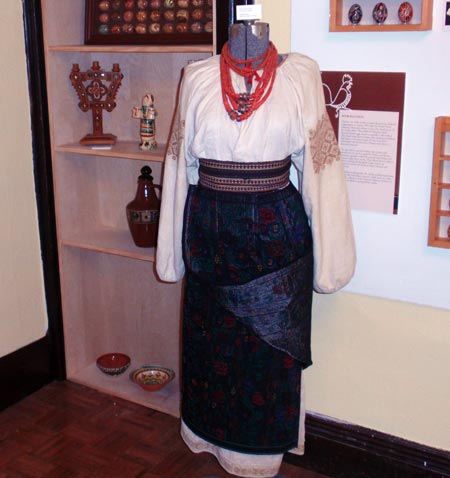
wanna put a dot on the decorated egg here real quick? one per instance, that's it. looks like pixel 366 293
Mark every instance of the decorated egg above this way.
pixel 103 29
pixel 115 17
pixel 129 4
pixel 104 18
pixel 128 16
pixel 141 16
pixel 155 3
pixel 169 15
pixel 168 28
pixel 169 3
pixel 198 3
pixel 209 14
pixel 209 27
pixel 182 16
pixel 115 29
pixel 355 14
pixel 196 27
pixel 154 28
pixel 405 12
pixel 104 5
pixel 155 15
pixel 380 13
pixel 115 4
pixel 181 27
pixel 197 14
pixel 142 4
pixel 141 28
pixel 183 3
pixel 127 28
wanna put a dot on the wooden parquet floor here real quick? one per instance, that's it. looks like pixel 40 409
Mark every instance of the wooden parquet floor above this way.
pixel 68 431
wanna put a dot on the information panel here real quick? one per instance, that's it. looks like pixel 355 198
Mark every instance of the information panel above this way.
pixel 366 110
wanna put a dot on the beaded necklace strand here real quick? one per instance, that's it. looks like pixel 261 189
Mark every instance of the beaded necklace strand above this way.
pixel 241 106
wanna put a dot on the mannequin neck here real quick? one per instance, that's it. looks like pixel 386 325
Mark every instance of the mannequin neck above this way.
pixel 248 41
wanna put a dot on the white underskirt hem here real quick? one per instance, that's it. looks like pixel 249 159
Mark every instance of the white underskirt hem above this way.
pixel 235 463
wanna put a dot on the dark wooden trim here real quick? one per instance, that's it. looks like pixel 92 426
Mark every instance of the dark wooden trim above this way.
pixel 24 371
pixel 32 19
pixel 343 450
pixel 223 15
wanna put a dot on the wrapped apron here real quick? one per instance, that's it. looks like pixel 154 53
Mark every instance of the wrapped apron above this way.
pixel 247 308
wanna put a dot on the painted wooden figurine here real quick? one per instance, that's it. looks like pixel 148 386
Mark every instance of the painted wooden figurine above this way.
pixel 147 114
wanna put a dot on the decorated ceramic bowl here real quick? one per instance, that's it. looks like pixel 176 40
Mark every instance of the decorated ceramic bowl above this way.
pixel 113 363
pixel 152 378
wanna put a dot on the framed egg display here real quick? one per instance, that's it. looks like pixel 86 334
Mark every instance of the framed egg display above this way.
pixel 373 16
pixel 157 22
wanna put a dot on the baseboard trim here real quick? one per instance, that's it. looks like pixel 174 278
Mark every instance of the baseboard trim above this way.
pixel 24 372
pixel 343 450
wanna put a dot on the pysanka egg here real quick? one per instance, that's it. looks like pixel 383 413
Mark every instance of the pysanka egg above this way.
pixel 154 28
pixel 380 13
pixel 405 12
pixel 355 14
pixel 104 6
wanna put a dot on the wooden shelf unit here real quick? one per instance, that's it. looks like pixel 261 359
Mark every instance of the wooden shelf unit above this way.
pixel 112 299
pixel 439 221
pixel 339 22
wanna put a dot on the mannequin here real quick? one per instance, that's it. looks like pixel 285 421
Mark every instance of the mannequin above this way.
pixel 241 235
pixel 248 40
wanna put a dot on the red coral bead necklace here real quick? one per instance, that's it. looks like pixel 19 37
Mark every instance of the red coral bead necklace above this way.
pixel 241 106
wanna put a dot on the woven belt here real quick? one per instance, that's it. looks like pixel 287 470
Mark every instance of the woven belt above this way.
pixel 229 176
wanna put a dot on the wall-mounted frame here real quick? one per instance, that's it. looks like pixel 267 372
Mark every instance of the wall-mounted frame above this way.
pixel 446 22
pixel 439 222
pixel 154 22
pixel 422 16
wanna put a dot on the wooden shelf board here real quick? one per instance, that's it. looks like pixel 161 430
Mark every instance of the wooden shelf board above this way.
pixel 110 241
pixel 166 400
pixel 443 242
pixel 443 213
pixel 122 149
pixel 133 48
pixel 443 185
pixel 444 157
pixel 380 28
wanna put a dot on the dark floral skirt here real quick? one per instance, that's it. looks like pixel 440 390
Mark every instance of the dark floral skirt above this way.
pixel 246 318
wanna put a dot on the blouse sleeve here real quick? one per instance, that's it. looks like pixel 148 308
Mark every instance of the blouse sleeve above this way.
pixel 323 185
pixel 169 257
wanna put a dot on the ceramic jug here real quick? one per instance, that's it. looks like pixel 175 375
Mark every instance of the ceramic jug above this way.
pixel 143 211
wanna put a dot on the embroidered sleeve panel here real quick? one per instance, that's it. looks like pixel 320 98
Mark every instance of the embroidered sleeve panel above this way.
pixel 324 147
pixel 176 138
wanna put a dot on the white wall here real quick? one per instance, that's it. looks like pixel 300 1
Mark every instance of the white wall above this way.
pixel 383 363
pixel 380 360
pixel 394 260
pixel 23 316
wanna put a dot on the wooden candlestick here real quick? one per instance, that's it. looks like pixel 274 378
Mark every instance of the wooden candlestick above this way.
pixel 96 95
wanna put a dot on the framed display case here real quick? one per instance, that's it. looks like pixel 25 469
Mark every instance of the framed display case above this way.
pixel 156 22
pixel 390 15
pixel 439 224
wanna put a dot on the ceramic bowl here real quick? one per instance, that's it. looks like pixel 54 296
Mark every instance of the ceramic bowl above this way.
pixel 113 364
pixel 152 378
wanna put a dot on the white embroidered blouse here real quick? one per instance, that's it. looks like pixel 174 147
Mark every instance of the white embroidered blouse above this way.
pixel 293 121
